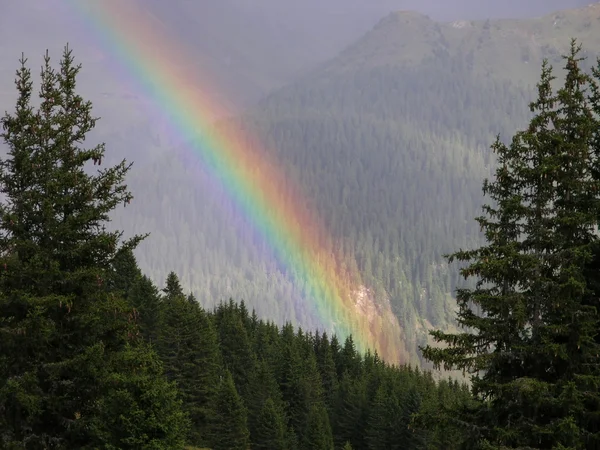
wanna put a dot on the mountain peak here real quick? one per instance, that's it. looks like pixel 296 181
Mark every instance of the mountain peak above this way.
pixel 500 48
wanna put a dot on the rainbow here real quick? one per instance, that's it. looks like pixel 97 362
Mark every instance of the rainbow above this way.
pixel 257 186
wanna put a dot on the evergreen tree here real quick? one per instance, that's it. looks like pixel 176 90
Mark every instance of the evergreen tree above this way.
pixel 405 431
pixel 125 273
pixel 318 429
pixel 350 359
pixel 533 355
pixel 389 424
pixel 230 430
pixel 236 349
pixel 379 426
pixel 188 346
pixel 192 299
pixel 137 413
pixel 173 286
pixel 68 345
pixel 351 412
pixel 144 296
pixel 593 268
pixel 270 428
pixel 262 387
pixel 327 370
pixel 290 380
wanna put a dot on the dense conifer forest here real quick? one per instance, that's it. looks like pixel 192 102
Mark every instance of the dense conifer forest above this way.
pixel 94 355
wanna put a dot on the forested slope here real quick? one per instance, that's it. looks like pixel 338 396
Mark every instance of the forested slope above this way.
pixel 391 140
pixel 389 143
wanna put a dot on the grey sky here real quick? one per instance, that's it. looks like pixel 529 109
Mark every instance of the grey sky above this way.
pixel 250 46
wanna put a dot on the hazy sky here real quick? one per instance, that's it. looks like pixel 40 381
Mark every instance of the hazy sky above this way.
pixel 251 46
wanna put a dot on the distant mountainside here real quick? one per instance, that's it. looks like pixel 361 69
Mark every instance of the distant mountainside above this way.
pixel 502 49
pixel 253 47
pixel 389 142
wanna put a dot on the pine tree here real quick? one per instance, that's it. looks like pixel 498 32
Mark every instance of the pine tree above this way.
pixel 318 429
pixel 173 286
pixel 125 273
pixel 533 356
pixel 327 370
pixel 230 430
pixel 262 387
pixel 593 268
pixel 187 343
pixel 289 377
pixel 143 295
pixel 351 412
pixel 350 358
pixel 64 337
pixel 378 429
pixel 270 428
pixel 138 413
pixel 405 431
pixel 236 349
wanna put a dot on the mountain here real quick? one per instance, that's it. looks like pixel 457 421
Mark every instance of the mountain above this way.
pixel 390 143
pixel 507 49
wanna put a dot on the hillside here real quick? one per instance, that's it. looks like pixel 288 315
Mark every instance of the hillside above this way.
pixel 505 49
pixel 388 142
pixel 391 141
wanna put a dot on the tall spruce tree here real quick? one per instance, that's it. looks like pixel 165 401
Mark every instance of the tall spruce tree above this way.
pixel 173 286
pixel 230 430
pixel 144 296
pixel 593 268
pixel 262 387
pixel 270 432
pixel 529 343
pixel 187 343
pixel 68 345
pixel 318 434
pixel 236 349
pixel 125 273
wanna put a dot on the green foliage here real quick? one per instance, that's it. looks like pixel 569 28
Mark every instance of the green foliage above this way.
pixel 144 296
pixel 262 388
pixel 318 429
pixel 187 343
pixel 231 430
pixel 531 341
pixel 173 287
pixel 270 431
pixel 140 408
pixel 80 323
pixel 74 373
pixel 125 273
pixel 285 405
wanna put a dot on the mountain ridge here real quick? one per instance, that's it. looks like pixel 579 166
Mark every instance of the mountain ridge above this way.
pixel 391 141
pixel 409 37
